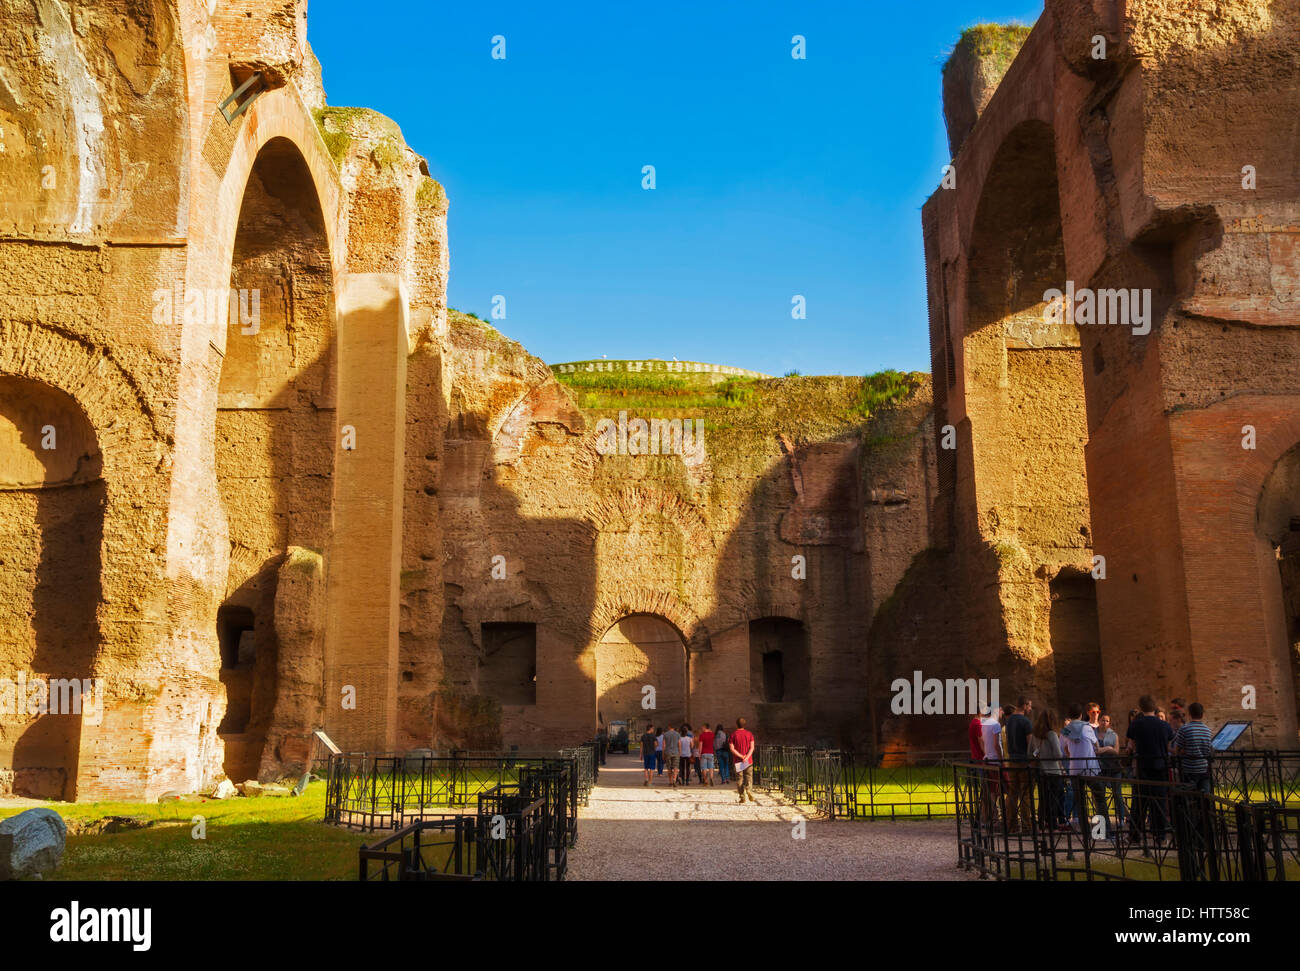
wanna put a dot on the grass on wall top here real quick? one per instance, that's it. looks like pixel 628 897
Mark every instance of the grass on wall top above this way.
pixel 998 43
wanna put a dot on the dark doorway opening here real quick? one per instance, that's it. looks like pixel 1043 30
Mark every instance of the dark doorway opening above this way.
pixel 508 669
pixel 1076 640
pixel 778 660
pixel 773 676
pixel 233 623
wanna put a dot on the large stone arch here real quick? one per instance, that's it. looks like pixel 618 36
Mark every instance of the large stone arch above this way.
pixel 275 438
pixel 620 600
pixel 131 619
pixel 198 547
pixel 51 526
pixel 642 651
pixel 367 373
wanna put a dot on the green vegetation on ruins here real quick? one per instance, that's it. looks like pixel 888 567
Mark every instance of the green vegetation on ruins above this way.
pixel 459 318
pixel 743 415
pixel 660 394
pixel 884 388
pixel 333 126
pixel 430 193
pixel 604 390
pixel 997 43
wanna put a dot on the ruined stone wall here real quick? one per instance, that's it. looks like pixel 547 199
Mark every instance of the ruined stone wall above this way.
pixel 643 570
pixel 95 214
pixel 130 208
pixel 1148 148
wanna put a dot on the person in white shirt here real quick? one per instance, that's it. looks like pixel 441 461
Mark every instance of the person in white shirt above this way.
pixel 990 736
pixel 684 746
pixel 991 729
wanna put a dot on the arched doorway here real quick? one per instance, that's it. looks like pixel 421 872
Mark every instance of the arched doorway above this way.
pixel 642 651
pixel 274 428
pixel 52 500
pixel 1278 527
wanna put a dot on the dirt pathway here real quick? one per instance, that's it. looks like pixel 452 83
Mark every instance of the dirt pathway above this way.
pixel 629 832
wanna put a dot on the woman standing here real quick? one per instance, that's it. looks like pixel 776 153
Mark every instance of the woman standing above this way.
pixel 1045 747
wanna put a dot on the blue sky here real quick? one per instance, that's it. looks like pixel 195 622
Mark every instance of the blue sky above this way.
pixel 774 176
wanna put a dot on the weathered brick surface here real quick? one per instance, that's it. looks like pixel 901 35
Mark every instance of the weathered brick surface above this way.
pixel 1148 190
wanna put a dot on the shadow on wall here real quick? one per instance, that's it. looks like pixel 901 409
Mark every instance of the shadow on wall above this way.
pixel 52 501
pixel 787 642
pixel 641 651
pixel 275 441
pixel 519 593
pixel 1005 596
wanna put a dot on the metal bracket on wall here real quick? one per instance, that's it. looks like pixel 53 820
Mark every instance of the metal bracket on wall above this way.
pixel 255 84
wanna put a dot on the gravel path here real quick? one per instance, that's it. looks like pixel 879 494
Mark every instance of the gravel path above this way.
pixel 629 832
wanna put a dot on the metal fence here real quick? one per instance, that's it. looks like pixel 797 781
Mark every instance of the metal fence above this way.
pixel 912 785
pixel 367 791
pixel 507 840
pixel 1016 821
pixel 846 785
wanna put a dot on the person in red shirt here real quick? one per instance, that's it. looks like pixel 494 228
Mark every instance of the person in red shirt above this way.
pixel 741 744
pixel 706 755
pixel 975 734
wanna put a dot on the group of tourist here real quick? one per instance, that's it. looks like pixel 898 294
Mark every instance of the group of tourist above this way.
pixel 713 754
pixel 1159 747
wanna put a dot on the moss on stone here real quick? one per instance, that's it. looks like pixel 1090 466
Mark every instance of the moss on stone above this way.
pixel 430 193
pixel 304 559
pixel 388 153
pixel 337 142
pixel 335 122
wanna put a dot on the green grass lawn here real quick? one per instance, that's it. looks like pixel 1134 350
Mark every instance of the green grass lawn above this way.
pixel 267 838
pixel 905 792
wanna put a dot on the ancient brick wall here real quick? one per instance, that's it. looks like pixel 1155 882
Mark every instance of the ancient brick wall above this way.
pixel 1154 198
pixel 657 571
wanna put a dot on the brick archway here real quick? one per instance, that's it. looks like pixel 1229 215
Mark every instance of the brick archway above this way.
pixel 134 449
pixel 641 659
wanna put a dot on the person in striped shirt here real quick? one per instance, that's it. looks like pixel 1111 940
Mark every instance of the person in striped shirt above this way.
pixel 1192 743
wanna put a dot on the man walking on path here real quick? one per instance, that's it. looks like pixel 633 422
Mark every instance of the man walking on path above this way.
pixel 741 744
pixel 648 752
pixel 672 753
pixel 723 754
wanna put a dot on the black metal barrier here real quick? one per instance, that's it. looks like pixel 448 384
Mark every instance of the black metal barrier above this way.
pixel 1016 820
pixel 369 792
pixel 509 839
pixel 911 785
pixel 845 785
